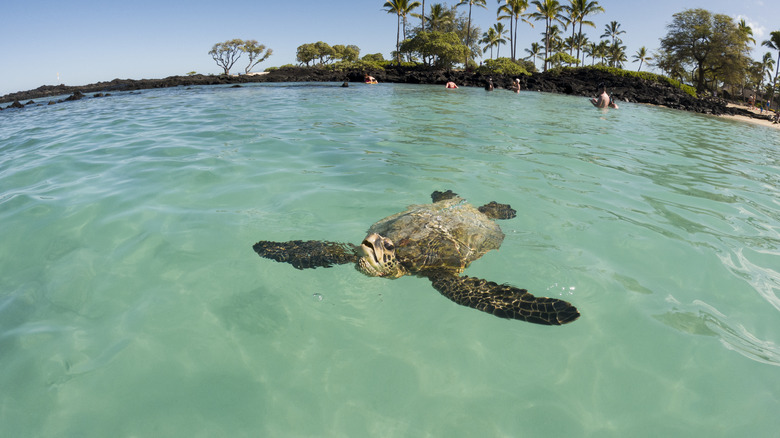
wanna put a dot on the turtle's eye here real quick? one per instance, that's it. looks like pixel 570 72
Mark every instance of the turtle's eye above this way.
pixel 389 246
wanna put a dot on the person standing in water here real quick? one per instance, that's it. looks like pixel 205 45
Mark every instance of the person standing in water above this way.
pixel 603 100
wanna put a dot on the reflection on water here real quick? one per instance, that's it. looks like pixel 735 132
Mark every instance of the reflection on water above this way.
pixel 699 318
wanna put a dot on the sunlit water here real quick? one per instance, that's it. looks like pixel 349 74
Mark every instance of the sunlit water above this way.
pixel 132 304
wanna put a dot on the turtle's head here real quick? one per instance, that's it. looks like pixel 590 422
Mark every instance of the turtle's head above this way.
pixel 377 258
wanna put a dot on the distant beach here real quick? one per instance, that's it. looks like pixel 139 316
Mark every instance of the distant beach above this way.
pixel 754 120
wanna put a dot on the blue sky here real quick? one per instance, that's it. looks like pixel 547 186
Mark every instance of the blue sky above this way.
pixel 87 41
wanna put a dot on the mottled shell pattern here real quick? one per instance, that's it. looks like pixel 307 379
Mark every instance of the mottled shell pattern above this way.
pixel 448 234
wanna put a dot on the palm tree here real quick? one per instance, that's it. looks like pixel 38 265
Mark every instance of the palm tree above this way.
pixel 570 19
pixel 774 43
pixel 401 8
pixel 581 9
pixel 534 52
pixel 612 30
pixel 617 55
pixel 641 56
pixel 556 42
pixel 602 50
pixel 422 16
pixel 440 17
pixel 514 10
pixel 480 3
pixel 549 11
pixel 579 41
pixel 500 32
pixel 589 50
pixel 746 31
pixel 765 67
pixel 490 40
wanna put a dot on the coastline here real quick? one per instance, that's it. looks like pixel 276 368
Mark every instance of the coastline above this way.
pixel 746 119
pixel 569 81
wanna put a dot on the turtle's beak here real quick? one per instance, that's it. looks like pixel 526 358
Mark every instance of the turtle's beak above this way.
pixel 370 246
pixel 378 258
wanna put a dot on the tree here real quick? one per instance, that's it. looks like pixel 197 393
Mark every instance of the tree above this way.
pixel 590 50
pixel 602 50
pixel 440 17
pixel 443 49
pixel 227 53
pixel 554 36
pixel 480 3
pixel 324 51
pixel 549 11
pixel 774 43
pixel 422 16
pixel 764 68
pixel 306 53
pixel 579 10
pixel 612 30
pixel 257 53
pixel 617 55
pixel 349 53
pixel 710 45
pixel 401 8
pixel 514 10
pixel 641 56
pixel 562 58
pixel 578 42
pixel 746 30
pixel 491 39
pixel 374 57
pixel 667 64
pixel 534 52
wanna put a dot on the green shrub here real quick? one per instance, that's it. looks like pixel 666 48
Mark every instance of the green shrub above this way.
pixel 629 73
pixel 503 66
pixel 361 65
pixel 646 76
pixel 374 57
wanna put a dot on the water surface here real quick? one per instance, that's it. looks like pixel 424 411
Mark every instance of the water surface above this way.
pixel 132 304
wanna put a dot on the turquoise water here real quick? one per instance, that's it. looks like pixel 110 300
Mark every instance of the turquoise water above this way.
pixel 132 304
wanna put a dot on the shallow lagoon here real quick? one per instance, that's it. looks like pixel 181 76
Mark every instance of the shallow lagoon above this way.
pixel 132 304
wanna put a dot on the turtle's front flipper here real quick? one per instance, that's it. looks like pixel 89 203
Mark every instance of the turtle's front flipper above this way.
pixel 307 254
pixel 503 300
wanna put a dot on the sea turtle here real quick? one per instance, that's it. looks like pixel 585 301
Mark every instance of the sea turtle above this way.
pixel 437 241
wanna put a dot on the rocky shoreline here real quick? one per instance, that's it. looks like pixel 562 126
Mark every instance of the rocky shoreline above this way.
pixel 577 82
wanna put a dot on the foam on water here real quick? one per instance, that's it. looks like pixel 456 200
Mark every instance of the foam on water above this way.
pixel 132 304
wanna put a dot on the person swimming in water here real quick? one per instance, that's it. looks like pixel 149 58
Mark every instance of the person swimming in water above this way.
pixel 451 84
pixel 603 100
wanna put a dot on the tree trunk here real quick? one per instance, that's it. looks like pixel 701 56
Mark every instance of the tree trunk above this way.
pixel 511 40
pixel 398 41
pixel 774 83
pixel 514 40
pixel 468 40
pixel 546 42
pixel 423 19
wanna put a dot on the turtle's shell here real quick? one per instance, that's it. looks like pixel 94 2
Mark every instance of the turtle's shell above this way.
pixel 449 234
